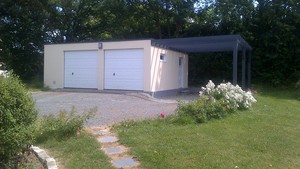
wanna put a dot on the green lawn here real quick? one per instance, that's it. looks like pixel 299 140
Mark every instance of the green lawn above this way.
pixel 81 152
pixel 266 136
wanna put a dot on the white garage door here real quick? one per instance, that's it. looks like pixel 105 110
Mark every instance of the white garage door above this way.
pixel 81 69
pixel 124 69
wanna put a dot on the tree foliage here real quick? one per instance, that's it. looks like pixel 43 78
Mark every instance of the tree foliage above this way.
pixel 276 30
pixel 270 26
pixel 22 33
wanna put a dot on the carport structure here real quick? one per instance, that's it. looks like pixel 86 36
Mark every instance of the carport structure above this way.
pixel 221 43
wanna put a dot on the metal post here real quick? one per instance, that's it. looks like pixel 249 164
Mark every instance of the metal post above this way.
pixel 235 61
pixel 243 68
pixel 249 69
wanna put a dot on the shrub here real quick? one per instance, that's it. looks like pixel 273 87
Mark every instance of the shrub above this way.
pixel 182 119
pixel 17 115
pixel 214 103
pixel 202 110
pixel 185 113
pixel 64 125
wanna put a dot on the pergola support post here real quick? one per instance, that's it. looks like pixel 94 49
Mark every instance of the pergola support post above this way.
pixel 244 68
pixel 249 69
pixel 235 62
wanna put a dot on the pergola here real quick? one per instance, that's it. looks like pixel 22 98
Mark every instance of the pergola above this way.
pixel 221 43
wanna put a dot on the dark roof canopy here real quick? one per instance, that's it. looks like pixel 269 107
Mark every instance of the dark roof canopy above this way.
pixel 219 43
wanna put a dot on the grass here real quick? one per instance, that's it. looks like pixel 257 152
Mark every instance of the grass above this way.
pixel 77 152
pixel 36 85
pixel 266 136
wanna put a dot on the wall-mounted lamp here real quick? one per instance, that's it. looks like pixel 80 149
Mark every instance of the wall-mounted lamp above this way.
pixel 100 45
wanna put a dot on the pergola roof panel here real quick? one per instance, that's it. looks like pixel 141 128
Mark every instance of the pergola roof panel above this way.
pixel 203 44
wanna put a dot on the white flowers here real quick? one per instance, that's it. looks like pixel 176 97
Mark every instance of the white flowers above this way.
pixel 233 96
pixel 209 88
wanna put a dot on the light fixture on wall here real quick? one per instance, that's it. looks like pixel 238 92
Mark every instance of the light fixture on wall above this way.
pixel 162 57
pixel 100 45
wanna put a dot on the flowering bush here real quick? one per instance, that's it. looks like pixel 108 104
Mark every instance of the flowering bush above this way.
pixel 233 96
pixel 214 103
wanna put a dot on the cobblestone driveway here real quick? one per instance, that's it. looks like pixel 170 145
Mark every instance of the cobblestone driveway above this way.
pixel 111 108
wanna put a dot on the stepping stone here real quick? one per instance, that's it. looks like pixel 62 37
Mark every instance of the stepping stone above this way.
pixel 108 139
pixel 124 162
pixel 113 150
pixel 101 132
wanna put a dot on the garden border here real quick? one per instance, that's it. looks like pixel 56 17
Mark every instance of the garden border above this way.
pixel 47 161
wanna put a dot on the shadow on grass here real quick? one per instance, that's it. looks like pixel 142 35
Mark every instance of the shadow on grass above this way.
pixel 283 92
pixel 52 135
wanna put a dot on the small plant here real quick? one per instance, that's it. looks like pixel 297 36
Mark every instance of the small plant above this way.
pixel 63 126
pixel 17 116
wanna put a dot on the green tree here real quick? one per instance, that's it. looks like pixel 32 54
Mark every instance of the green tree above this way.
pixel 276 27
pixel 74 21
pixel 146 19
pixel 22 33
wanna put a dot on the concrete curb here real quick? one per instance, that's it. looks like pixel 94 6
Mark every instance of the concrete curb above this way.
pixel 48 162
pixel 146 96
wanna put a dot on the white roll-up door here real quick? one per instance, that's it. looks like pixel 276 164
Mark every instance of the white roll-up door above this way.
pixel 124 69
pixel 81 69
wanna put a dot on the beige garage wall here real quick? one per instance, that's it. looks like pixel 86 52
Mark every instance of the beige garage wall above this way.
pixel 136 44
pixel 165 74
pixel 54 61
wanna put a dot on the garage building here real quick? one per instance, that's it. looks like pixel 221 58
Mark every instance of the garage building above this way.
pixel 158 67
pixel 119 65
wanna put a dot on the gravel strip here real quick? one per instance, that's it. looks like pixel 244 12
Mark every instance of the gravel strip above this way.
pixel 111 108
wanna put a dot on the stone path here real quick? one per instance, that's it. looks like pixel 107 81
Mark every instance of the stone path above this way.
pixel 113 149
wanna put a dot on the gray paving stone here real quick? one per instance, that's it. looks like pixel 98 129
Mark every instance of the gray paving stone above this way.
pixel 113 150
pixel 108 139
pixel 101 132
pixel 124 162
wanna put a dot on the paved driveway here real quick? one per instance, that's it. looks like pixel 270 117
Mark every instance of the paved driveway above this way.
pixel 111 108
